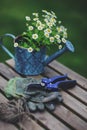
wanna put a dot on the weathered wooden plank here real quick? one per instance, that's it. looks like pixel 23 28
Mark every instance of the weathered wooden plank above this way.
pixel 10 62
pixel 51 122
pixel 5 70
pixel 49 72
pixel 82 112
pixel 3 83
pixel 75 105
pixel 70 101
pixel 70 118
pixel 29 124
pixel 77 92
pixel 7 126
pixel 73 75
pixel 2 99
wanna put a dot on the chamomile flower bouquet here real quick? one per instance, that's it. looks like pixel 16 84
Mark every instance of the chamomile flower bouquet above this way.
pixel 42 30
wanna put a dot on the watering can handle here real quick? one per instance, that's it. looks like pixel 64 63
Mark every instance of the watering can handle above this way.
pixel 3 47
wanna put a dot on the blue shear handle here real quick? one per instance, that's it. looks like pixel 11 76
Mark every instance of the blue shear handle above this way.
pixel 54 79
pixel 3 47
pixel 62 84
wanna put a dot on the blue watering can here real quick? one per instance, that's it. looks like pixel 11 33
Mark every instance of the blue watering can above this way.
pixel 32 63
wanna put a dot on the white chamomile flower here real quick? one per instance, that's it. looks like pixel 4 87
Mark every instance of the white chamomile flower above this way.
pixel 50 24
pixel 62 28
pixel 35 36
pixel 36 14
pixel 35 19
pixel 27 24
pixel 51 39
pixel 59 29
pixel 24 33
pixel 30 49
pixel 53 20
pixel 65 29
pixel 63 40
pixel 48 30
pixel 44 11
pixel 15 44
pixel 53 14
pixel 46 20
pixel 57 36
pixel 38 22
pixel 46 34
pixel 65 34
pixel 43 25
pixel 60 46
pixel 59 41
pixel 59 22
pixel 27 18
pixel 40 27
pixel 30 27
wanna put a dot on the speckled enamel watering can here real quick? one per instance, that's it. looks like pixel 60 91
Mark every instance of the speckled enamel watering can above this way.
pixel 33 63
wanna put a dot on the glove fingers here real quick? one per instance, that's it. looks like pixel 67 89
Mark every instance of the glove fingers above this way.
pixel 32 106
pixel 50 106
pixel 40 106
pixel 59 98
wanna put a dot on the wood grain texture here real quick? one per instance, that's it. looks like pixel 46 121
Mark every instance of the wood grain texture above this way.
pixel 73 75
pixel 70 118
pixel 59 124
pixel 51 122
pixel 74 109
pixel 5 70
pixel 7 126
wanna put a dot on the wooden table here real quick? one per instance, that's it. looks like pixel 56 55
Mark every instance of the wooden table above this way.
pixel 70 115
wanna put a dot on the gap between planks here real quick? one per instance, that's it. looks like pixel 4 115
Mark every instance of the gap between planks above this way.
pixel 45 119
pixel 60 111
pixel 83 107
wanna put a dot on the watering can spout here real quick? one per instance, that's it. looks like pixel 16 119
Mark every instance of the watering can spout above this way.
pixel 68 47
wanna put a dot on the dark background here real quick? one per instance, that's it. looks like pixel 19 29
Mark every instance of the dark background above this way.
pixel 72 13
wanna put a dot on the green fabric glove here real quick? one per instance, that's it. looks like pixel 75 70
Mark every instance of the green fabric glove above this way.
pixel 16 86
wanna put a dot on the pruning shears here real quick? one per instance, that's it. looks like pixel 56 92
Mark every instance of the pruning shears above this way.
pixel 58 82
pixel 54 83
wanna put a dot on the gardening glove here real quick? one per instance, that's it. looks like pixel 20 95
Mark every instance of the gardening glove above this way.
pixel 39 98
pixel 16 86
